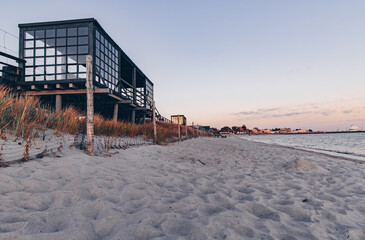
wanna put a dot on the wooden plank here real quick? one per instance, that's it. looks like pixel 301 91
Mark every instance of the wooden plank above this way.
pixel 66 91
pixel 125 101
pixel 115 96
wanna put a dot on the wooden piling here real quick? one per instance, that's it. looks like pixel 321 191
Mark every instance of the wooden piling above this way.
pixel 186 129
pixel 115 115
pixel 154 121
pixel 58 102
pixel 178 126
pixel 89 105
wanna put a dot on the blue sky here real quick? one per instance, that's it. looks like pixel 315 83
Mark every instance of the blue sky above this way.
pixel 266 64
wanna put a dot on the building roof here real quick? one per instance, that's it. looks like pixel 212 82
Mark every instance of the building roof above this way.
pixel 83 20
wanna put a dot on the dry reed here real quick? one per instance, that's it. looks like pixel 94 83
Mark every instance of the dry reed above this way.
pixel 25 117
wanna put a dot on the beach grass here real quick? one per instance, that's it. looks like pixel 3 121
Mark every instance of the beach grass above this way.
pixel 26 117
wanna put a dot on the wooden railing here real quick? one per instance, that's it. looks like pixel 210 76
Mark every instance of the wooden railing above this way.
pixel 10 73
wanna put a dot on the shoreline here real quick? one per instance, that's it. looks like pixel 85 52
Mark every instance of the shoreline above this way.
pixel 244 190
pixel 313 151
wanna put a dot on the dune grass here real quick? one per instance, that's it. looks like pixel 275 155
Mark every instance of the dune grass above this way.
pixel 27 117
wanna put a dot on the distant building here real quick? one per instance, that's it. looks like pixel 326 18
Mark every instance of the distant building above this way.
pixel 354 128
pixel 302 131
pixel 255 131
pixel 178 119
pixel 206 128
pixel 285 130
pixel 266 131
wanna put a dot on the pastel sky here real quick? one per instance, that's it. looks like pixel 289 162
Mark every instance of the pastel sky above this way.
pixel 266 64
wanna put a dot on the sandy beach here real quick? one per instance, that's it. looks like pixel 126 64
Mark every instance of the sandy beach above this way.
pixel 206 188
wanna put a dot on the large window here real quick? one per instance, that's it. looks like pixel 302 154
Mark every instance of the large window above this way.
pixel 106 62
pixel 56 54
pixel 149 94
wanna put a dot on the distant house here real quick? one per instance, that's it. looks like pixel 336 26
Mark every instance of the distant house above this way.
pixel 178 119
pixel 301 131
pixel 255 131
pixel 285 130
pixel 266 131
pixel 206 128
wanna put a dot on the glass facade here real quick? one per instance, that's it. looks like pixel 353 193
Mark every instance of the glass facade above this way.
pixel 149 94
pixel 106 62
pixel 55 54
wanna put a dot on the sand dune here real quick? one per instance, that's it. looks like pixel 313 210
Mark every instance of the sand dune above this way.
pixel 199 189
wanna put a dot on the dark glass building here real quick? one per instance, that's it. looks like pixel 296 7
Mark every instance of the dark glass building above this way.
pixel 55 55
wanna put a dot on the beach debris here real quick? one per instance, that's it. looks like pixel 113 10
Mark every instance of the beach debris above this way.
pixel 201 162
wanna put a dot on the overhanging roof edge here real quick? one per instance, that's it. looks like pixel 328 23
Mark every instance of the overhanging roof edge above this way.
pixel 83 20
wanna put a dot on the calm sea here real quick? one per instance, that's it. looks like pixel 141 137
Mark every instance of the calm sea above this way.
pixel 350 145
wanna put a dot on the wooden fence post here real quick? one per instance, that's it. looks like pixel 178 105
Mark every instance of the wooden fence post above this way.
pixel 186 129
pixel 178 126
pixel 154 121
pixel 90 105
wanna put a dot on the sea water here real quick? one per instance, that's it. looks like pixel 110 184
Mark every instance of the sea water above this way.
pixel 350 145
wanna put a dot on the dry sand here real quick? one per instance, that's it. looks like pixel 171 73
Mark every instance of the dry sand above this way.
pixel 204 188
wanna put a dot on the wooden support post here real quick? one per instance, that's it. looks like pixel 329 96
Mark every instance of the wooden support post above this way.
pixel 58 102
pixel 179 128
pixel 186 129
pixel 90 105
pixel 133 116
pixel 115 116
pixel 134 84
pixel 154 120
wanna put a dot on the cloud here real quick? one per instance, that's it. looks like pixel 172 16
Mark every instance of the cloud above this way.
pixel 312 110
pixel 326 113
pixel 268 109
pixel 290 114
pixel 257 112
